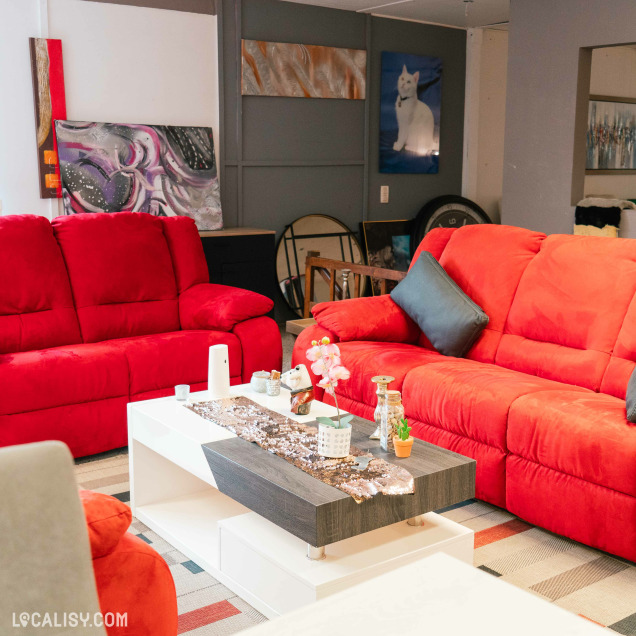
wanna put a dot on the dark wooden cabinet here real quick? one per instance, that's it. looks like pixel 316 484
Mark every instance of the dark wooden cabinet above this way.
pixel 242 257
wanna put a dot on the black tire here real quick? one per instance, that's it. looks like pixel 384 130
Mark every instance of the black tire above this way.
pixel 426 217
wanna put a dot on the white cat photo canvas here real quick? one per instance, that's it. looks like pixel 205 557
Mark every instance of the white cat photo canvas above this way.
pixel 410 113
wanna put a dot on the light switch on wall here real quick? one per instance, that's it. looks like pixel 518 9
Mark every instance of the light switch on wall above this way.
pixel 384 194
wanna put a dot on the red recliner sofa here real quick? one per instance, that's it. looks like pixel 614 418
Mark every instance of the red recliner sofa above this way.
pixel 97 310
pixel 539 401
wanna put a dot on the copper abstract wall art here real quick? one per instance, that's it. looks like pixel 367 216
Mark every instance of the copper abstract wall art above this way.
pixel 278 69
pixel 50 104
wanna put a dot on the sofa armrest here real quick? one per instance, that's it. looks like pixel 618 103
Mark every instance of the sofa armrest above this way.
pixel 219 307
pixel 376 319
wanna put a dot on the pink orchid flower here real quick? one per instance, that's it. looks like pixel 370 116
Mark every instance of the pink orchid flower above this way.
pixel 327 385
pixel 320 367
pixel 314 354
pixel 326 362
pixel 339 373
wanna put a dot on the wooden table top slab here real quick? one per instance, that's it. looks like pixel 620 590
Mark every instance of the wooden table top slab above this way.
pixel 321 514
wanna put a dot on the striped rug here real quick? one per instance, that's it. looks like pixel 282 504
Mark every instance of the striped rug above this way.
pixel 595 585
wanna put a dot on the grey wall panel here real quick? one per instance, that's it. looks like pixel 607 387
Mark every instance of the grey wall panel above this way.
pixel 276 21
pixel 409 192
pixel 262 130
pixel 546 39
pixel 284 194
pixel 228 75
pixel 280 128
pixel 229 193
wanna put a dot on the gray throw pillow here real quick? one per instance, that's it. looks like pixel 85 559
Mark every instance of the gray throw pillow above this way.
pixel 630 398
pixel 446 315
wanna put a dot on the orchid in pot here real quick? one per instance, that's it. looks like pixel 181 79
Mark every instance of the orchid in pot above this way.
pixel 334 436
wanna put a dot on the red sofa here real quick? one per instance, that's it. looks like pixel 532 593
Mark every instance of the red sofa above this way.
pixel 97 310
pixel 131 577
pixel 539 401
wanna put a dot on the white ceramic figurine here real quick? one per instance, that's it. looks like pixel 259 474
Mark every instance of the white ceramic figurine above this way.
pixel 297 378
pixel 302 390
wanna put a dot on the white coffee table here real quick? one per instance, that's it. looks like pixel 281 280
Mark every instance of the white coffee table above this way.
pixel 174 492
pixel 440 596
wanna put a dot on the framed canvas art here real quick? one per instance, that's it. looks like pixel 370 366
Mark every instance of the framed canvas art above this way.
pixel 611 135
pixel 388 245
pixel 49 98
pixel 161 170
pixel 281 69
pixel 411 94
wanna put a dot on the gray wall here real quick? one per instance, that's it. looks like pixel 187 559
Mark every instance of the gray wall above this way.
pixel 549 42
pixel 286 157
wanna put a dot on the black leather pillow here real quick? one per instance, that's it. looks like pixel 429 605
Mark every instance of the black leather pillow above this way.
pixel 446 315
pixel 630 398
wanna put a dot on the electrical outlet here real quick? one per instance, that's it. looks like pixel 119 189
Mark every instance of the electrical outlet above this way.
pixel 384 194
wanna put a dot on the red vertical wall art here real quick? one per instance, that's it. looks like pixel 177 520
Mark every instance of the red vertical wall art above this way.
pixel 50 104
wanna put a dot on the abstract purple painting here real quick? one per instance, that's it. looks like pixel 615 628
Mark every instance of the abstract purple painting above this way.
pixel 161 170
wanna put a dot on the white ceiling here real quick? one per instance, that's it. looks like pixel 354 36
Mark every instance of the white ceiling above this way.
pixel 448 12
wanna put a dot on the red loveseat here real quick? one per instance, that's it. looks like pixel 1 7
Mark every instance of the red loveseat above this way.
pixel 131 577
pixel 539 401
pixel 97 310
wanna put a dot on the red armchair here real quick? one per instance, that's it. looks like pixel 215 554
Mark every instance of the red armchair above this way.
pixel 539 401
pixel 131 577
pixel 103 309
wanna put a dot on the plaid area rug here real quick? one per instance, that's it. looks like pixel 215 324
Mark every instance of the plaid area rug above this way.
pixel 595 585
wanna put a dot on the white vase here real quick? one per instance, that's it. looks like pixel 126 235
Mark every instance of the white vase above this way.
pixel 334 442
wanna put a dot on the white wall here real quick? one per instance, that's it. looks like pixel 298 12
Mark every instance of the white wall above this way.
pixel 19 186
pixel 121 64
pixel 613 74
pixel 485 113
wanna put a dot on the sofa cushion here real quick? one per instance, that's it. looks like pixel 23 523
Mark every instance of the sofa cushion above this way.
pixel 164 360
pixel 569 308
pixel 487 262
pixel 36 305
pixel 34 380
pixel 107 519
pixel 449 318
pixel 434 242
pixel 121 274
pixel 186 249
pixel 468 398
pixel 585 435
pixel 490 483
pixel 367 359
pixel 622 359
pixel 376 318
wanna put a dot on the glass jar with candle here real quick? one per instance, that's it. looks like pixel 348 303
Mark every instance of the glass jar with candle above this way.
pixel 392 413
pixel 382 382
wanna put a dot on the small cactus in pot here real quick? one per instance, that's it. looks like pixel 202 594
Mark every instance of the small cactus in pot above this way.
pixel 403 441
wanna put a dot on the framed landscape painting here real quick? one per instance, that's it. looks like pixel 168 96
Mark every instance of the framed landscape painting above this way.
pixel 161 170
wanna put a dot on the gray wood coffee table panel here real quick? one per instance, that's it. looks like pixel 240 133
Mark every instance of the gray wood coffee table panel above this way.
pixel 321 514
